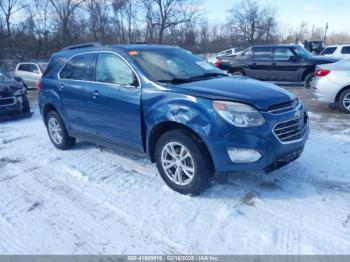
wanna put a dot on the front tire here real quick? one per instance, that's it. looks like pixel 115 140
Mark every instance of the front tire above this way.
pixel 25 105
pixel 57 132
pixel 183 162
pixel 308 79
pixel 344 101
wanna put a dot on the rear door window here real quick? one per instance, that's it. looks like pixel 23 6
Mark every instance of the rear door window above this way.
pixel 80 67
pixel 263 53
pixel 283 54
pixel 345 50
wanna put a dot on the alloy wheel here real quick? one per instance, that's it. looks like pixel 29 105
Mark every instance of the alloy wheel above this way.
pixel 55 130
pixel 178 163
pixel 346 101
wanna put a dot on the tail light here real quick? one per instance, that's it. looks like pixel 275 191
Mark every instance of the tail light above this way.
pixel 38 86
pixel 218 62
pixel 322 72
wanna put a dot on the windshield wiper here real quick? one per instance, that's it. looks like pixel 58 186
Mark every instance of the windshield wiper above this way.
pixel 191 79
pixel 176 80
pixel 207 75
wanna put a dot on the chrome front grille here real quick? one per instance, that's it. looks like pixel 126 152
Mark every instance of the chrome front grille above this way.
pixel 284 107
pixel 7 101
pixel 292 130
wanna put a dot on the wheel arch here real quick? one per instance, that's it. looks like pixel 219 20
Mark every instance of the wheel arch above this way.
pixel 340 92
pixel 163 127
pixel 235 69
pixel 307 71
pixel 48 107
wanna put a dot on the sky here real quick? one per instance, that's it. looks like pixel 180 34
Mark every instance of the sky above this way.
pixel 293 13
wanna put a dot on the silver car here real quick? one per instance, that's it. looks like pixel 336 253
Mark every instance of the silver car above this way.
pixel 30 72
pixel 332 84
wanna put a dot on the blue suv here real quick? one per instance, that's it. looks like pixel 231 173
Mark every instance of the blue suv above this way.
pixel 189 117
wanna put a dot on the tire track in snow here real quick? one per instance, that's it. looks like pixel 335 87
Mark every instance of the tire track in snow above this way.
pixel 9 238
pixel 81 197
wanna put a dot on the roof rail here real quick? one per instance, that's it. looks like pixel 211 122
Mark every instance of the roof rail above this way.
pixel 140 43
pixel 72 47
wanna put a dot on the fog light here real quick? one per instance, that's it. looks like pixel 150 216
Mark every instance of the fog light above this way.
pixel 243 155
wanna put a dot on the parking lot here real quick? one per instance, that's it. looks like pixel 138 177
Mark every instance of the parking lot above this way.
pixel 92 200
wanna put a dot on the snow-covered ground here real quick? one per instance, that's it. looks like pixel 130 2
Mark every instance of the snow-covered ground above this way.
pixel 92 200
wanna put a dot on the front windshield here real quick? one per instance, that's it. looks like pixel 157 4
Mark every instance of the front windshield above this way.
pixel 174 65
pixel 302 52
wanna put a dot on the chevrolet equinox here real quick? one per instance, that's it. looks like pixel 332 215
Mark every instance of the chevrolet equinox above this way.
pixel 189 117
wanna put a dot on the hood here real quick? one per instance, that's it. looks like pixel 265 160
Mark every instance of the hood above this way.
pixel 322 60
pixel 9 88
pixel 236 88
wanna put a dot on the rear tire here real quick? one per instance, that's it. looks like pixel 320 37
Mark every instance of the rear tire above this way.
pixel 189 175
pixel 344 101
pixel 308 79
pixel 57 132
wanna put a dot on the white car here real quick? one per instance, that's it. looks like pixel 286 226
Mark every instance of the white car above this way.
pixel 337 51
pixel 230 52
pixel 30 72
pixel 332 84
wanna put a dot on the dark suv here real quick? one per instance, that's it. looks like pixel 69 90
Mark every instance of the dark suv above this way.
pixel 188 116
pixel 291 63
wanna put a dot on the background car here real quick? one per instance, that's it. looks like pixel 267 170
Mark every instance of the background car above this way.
pixel 291 63
pixel 314 46
pixel 337 51
pixel 30 72
pixel 230 52
pixel 13 99
pixel 332 84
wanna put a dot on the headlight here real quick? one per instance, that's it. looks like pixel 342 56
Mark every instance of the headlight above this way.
pixel 238 114
pixel 19 92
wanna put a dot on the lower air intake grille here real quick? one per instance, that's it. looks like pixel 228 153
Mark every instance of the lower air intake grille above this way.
pixel 7 101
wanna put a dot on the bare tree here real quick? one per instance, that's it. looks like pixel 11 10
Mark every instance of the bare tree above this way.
pixel 163 14
pixel 301 32
pixel 251 22
pixel 99 17
pixel 9 8
pixel 64 10
pixel 126 12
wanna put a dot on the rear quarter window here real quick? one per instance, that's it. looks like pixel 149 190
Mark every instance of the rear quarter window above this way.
pixel 24 68
pixel 263 53
pixel 55 63
pixel 345 50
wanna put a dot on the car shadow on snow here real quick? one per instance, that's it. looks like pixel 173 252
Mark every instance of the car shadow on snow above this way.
pixel 291 181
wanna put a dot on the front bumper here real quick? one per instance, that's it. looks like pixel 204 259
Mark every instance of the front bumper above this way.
pixel 11 106
pixel 274 152
pixel 325 89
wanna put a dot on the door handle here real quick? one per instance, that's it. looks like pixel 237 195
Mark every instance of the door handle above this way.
pixel 95 94
pixel 60 87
